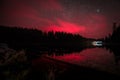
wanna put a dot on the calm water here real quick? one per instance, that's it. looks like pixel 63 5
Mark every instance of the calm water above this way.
pixel 98 58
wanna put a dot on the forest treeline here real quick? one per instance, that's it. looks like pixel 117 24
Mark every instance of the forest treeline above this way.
pixel 115 36
pixel 113 41
pixel 17 37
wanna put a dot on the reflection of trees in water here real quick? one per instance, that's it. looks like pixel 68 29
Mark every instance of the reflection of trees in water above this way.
pixel 116 51
pixel 64 51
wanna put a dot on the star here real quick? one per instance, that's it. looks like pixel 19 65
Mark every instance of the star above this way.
pixel 98 10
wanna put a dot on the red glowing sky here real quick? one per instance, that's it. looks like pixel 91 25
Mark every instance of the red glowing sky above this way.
pixel 90 19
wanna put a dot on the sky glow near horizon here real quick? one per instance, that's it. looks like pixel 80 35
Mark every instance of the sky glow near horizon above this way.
pixel 89 18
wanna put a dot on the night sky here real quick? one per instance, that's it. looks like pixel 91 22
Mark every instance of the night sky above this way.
pixel 89 18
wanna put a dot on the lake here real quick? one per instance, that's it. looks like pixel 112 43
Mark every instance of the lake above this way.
pixel 98 58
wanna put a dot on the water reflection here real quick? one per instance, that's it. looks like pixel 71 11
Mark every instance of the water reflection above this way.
pixel 98 58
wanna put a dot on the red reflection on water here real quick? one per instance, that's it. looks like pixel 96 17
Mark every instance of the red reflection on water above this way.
pixel 96 58
pixel 71 58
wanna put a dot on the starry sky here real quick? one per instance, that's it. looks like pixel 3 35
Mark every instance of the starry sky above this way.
pixel 89 18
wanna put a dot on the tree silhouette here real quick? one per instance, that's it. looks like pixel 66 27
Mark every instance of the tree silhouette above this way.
pixel 33 39
pixel 113 41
